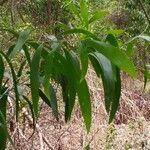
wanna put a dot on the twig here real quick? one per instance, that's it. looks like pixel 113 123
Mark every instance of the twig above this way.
pixel 39 131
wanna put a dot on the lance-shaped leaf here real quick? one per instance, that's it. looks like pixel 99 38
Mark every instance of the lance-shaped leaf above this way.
pixel 3 132
pixel 116 75
pixel 3 128
pixel 106 71
pixel 84 12
pixel 23 36
pixel 85 103
pixel 114 54
pixel 14 82
pixel 73 77
pixel 49 64
pixel 84 61
pixel 34 79
pixel 2 68
pixel 117 93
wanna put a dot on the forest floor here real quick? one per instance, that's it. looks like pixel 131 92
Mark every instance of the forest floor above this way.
pixel 130 130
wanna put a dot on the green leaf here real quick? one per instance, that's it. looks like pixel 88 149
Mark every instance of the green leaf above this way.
pixel 78 30
pixel 85 103
pixel 112 40
pixel 47 72
pixel 114 54
pixel 116 32
pixel 3 132
pixel 2 68
pixel 98 15
pixel 44 98
pixel 73 77
pixel 23 36
pixel 84 61
pixel 106 72
pixel 73 8
pixel 21 69
pixel 27 54
pixel 117 93
pixel 34 79
pixel 84 12
pixel 129 50
pixel 15 82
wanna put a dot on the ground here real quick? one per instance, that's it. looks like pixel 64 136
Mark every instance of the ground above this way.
pixel 130 130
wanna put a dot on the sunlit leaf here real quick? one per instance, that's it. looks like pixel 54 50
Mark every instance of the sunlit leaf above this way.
pixel 98 15
pixel 84 12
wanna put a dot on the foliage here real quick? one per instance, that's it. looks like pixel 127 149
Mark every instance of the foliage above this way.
pixel 63 60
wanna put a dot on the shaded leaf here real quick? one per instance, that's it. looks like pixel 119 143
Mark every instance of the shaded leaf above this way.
pixel 2 68
pixel 3 132
pixel 112 40
pixel 34 79
pixel 106 72
pixel 84 61
pixel 117 94
pixel 21 69
pixel 48 71
pixel 14 82
pixel 85 103
pixel 23 36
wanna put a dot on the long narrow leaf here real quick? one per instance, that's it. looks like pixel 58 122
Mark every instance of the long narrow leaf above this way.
pixel 1 71
pixel 117 93
pixel 15 83
pixel 114 54
pixel 34 79
pixel 85 103
pixel 84 12
pixel 106 72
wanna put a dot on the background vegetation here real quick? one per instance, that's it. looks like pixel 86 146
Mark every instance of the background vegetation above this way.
pixel 47 49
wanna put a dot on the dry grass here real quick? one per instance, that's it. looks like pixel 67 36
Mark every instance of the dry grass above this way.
pixel 131 130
